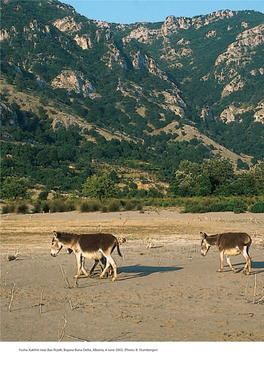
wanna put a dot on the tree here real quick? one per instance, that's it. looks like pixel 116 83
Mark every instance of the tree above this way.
pixel 13 187
pixel 220 173
pixel 98 187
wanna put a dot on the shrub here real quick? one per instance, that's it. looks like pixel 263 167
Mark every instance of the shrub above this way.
pixel 60 205
pixel 5 209
pixel 139 206
pixel 22 208
pixel 9 209
pixel 85 207
pixel 257 207
pixel 46 207
pixel 114 206
pixel 129 205
pixel 70 205
pixel 90 206
pixel 13 187
pixel 43 195
pixel 37 208
pixel 104 208
pixel 210 205
pixel 195 208
pixel 238 206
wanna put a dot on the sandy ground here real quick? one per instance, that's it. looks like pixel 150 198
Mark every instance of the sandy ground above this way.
pixel 165 290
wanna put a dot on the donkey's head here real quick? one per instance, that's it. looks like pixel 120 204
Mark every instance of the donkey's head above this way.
pixel 56 245
pixel 205 246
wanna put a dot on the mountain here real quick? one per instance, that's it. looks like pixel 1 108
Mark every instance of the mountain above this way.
pixel 80 93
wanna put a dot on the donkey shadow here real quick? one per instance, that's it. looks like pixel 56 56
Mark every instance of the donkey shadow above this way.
pixel 143 270
pixel 256 267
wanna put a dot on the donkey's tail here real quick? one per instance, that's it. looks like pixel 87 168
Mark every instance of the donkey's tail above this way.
pixel 118 249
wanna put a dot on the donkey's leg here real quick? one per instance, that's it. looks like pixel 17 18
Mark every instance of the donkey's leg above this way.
pixel 247 257
pixel 102 264
pixel 221 261
pixel 109 261
pixel 79 264
pixel 93 267
pixel 83 269
pixel 229 262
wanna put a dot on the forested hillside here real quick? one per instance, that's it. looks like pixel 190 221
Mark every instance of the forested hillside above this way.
pixel 82 97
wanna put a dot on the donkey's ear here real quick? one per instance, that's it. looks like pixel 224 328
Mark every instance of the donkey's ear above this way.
pixel 55 234
pixel 203 235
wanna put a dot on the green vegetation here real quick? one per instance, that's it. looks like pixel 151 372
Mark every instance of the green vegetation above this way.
pixel 197 188
pixel 131 109
pixel 183 204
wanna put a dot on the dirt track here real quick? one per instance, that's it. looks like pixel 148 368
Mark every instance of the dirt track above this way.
pixel 165 290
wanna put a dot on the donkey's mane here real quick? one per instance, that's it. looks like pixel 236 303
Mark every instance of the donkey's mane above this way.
pixel 66 236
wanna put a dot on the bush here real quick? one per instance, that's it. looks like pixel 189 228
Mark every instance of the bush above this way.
pixel 60 205
pixel 104 208
pixel 9 209
pixel 90 206
pixel 114 206
pixel 22 208
pixel 13 187
pixel 46 207
pixel 129 205
pixel 257 207
pixel 37 208
pixel 43 195
pixel 139 206
pixel 57 205
pixel 236 205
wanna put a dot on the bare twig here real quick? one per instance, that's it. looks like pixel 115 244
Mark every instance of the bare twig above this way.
pixel 121 228
pixel 12 296
pixel 62 333
pixel 65 277
pixel 246 292
pixel 72 308
pixel 78 339
pixel 6 277
pixel 255 288
pixel 40 304
pixel 260 299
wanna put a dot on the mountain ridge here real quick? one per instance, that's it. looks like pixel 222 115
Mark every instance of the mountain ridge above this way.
pixel 198 80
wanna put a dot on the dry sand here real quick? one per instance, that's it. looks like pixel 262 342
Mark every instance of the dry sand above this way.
pixel 165 290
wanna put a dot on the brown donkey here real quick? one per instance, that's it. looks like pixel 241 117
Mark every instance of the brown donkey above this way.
pixel 228 244
pixel 91 246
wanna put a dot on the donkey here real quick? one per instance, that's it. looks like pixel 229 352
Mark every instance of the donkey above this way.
pixel 228 244
pixel 102 261
pixel 91 246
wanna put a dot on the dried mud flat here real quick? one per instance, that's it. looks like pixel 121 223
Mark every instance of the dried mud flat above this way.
pixel 165 290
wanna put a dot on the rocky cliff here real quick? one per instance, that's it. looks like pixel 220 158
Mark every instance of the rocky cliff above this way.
pixel 204 72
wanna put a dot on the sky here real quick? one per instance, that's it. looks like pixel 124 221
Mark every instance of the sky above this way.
pixel 128 11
